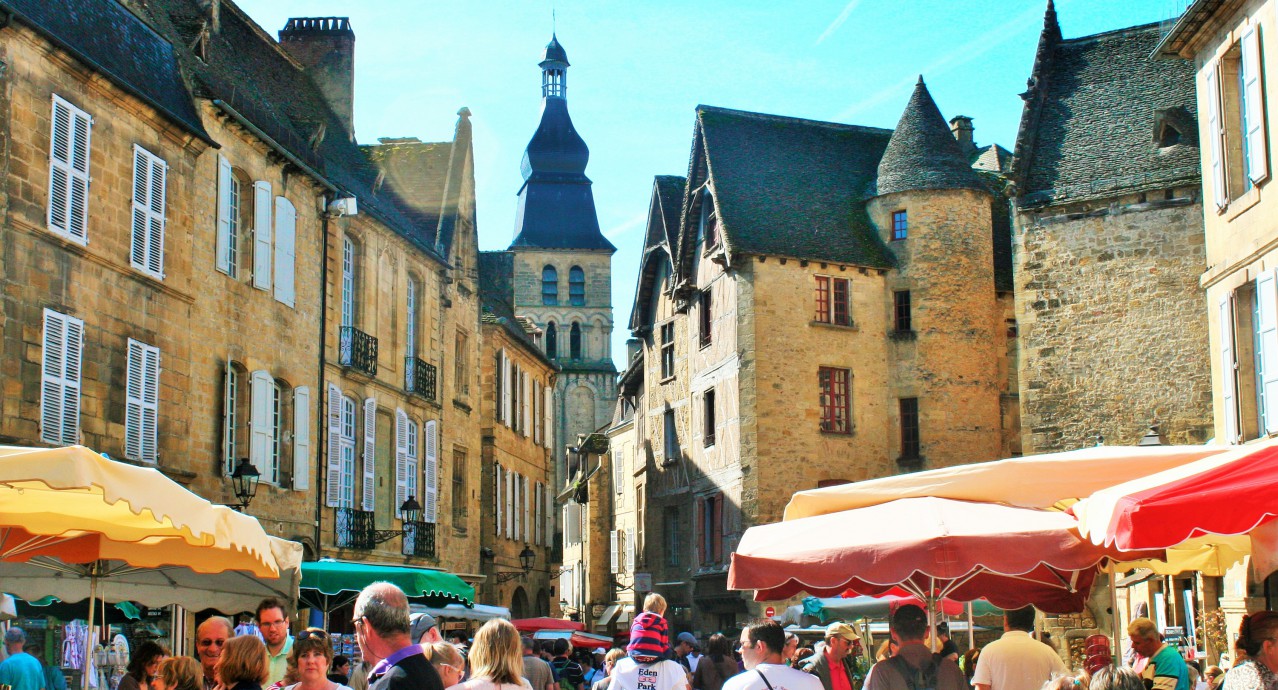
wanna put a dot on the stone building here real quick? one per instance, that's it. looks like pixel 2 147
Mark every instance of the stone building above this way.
pixel 1109 245
pixel 517 497
pixel 817 303
pixel 189 223
pixel 1231 46
pixel 628 493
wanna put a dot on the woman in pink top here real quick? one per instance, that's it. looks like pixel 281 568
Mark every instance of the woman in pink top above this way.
pixel 496 659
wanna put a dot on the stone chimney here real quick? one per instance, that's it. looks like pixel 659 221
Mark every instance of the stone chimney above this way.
pixel 961 126
pixel 325 46
pixel 632 349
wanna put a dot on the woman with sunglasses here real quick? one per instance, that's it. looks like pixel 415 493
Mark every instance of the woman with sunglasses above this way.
pixel 1258 637
pixel 309 661
pixel 447 660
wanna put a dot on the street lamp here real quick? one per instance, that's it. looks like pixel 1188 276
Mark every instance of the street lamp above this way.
pixel 526 559
pixel 244 483
pixel 409 511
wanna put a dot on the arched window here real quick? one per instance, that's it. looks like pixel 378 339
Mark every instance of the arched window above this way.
pixel 549 285
pixel 552 340
pixel 574 341
pixel 576 286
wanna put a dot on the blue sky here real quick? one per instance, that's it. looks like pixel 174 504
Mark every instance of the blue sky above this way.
pixel 639 69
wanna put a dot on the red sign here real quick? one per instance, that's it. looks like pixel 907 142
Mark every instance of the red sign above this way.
pixel 769 612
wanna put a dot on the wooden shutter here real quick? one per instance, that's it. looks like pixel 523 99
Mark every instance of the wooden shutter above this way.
pixel 401 458
pixel 69 171
pixel 262 235
pixel 535 395
pixel 510 505
pixel 369 496
pixel 618 474
pixel 285 238
pixel 1216 134
pixel 1267 346
pixel 430 507
pixel 699 524
pixel 333 466
pixel 716 530
pixel 497 384
pixel 537 520
pixel 141 409
pixel 507 391
pixel 63 343
pixel 548 409
pixel 518 505
pixel 525 386
pixel 225 239
pixel 301 438
pixel 614 551
pixel 1228 369
pixel 1253 97
pixel 499 499
pixel 550 516
pixel 572 523
pixel 230 383
pixel 262 424
pixel 147 250
pixel 630 550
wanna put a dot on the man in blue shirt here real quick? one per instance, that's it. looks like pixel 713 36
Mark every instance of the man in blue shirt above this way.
pixel 21 671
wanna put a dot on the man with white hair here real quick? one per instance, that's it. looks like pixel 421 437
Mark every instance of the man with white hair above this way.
pixel 382 630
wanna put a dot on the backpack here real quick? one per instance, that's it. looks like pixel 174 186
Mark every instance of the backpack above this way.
pixel 921 678
pixel 561 669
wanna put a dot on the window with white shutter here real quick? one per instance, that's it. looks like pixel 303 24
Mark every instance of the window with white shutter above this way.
pixel 147 248
pixel 499 499
pixel 499 379
pixel 506 399
pixel 510 505
pixel 550 516
pixel 548 409
pixel 517 505
pixel 333 461
pixel 344 465
pixel 1216 133
pixel 572 523
pixel 412 468
pixel 62 345
pixel 1267 349
pixel 401 458
pixel 630 550
pixel 430 507
pixel 263 413
pixel 262 235
pixel 529 525
pixel 614 551
pixel 301 438
pixel 1228 370
pixel 230 391
pixel 142 402
pixel 228 221
pixel 1253 97
pixel 369 494
pixel 285 252
pixel 618 470
pixel 349 266
pixel 536 524
pixel 69 171
pixel 525 385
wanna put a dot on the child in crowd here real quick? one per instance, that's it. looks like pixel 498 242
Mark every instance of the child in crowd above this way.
pixel 649 633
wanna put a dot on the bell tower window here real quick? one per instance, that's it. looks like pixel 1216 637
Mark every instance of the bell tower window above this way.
pixel 553 84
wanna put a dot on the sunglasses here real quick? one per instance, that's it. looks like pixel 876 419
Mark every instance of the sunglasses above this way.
pixel 458 670
pixel 308 634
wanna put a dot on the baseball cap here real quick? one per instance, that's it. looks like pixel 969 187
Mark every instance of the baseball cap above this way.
pixel 841 630
pixel 419 624
pixel 600 651
pixel 687 637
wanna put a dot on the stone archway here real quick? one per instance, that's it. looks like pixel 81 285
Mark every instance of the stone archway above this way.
pixel 519 607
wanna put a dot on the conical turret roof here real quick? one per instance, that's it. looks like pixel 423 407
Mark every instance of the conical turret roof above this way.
pixel 923 153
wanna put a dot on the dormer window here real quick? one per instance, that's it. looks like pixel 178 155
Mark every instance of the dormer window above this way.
pixel 1168 136
pixel 708 227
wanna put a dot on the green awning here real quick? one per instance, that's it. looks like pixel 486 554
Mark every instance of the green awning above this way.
pixel 329 584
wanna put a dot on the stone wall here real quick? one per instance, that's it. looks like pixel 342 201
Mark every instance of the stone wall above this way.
pixel 1113 325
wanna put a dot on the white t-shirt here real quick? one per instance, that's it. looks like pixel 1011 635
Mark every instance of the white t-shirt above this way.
pixel 1017 661
pixel 693 660
pixel 662 675
pixel 781 677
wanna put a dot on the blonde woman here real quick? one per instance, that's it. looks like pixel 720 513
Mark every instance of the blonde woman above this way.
pixel 244 664
pixel 496 659
pixel 178 673
pixel 447 660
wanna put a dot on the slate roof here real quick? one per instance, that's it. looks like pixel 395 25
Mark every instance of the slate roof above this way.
pixel 421 166
pixel 669 196
pixel 923 153
pixel 1089 121
pixel 497 300
pixel 555 52
pixel 992 158
pixel 110 39
pixel 249 73
pixel 787 186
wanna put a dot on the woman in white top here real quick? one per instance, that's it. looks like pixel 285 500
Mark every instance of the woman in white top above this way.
pixel 312 655
pixel 496 659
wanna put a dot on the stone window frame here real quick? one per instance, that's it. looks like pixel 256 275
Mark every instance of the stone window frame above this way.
pixel 900 225
pixel 576 286
pixel 549 286
pixel 902 312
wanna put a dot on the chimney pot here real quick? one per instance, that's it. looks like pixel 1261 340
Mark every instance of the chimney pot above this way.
pixel 961 127
pixel 325 47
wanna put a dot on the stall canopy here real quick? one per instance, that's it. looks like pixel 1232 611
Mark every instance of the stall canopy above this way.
pixel 329 584
pixel 1034 481
pixel 581 640
pixel 478 612
pixel 535 624
pixel 1208 514
pixel 933 548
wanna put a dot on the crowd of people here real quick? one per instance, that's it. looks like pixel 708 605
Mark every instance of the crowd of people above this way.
pixel 404 651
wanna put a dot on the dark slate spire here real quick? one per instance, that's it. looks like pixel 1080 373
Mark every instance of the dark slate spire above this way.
pixel 556 206
pixel 922 153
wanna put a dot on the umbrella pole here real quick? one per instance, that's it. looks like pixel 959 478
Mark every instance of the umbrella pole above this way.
pixel 931 616
pixel 90 637
pixel 971 632
pixel 1115 654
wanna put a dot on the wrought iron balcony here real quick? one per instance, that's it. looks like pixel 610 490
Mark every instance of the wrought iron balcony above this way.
pixel 354 529
pixel 419 539
pixel 358 350
pixel 419 377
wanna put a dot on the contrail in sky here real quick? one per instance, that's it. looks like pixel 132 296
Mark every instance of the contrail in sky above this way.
pixel 966 53
pixel 838 21
pixel 626 226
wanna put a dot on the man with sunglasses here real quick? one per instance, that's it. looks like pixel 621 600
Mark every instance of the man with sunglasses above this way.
pixel 210 637
pixel 761 647
pixel 382 630
pixel 273 622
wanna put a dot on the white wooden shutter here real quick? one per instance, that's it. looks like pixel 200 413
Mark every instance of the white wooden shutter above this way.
pixel 510 505
pixel 401 458
pixel 1228 368
pixel 262 235
pixel 525 386
pixel 285 238
pixel 572 523
pixel 618 474
pixel 506 389
pixel 630 550
pixel 301 438
pixel 529 525
pixel 550 516
pixel 1254 105
pixel 230 384
pixel 536 525
pixel 518 503
pixel 142 397
pixel 1216 133
pixel 147 250
pixel 225 240
pixel 614 551
pixel 69 171
pixel 500 500
pixel 414 470
pixel 430 507
pixel 333 464
pixel 370 455
pixel 548 409
pixel 262 424
pixel 1267 344
pixel 63 342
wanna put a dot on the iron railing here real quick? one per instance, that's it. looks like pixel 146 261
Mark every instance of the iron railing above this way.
pixel 358 350
pixel 354 529
pixel 419 377
pixel 419 539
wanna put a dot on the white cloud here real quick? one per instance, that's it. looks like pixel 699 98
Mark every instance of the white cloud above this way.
pixel 838 21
